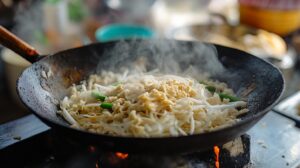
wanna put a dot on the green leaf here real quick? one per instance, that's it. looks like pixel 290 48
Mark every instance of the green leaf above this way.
pixel 52 1
pixel 76 10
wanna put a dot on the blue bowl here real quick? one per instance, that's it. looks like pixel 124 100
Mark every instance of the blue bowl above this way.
pixel 122 31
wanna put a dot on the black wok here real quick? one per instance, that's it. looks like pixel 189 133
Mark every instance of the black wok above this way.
pixel 251 77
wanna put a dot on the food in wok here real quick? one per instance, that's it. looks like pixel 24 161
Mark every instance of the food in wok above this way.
pixel 150 105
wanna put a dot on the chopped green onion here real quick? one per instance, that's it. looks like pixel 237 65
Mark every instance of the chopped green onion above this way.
pixel 98 96
pixel 212 89
pixel 226 96
pixel 106 105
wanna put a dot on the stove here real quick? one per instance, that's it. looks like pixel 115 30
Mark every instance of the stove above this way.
pixel 273 142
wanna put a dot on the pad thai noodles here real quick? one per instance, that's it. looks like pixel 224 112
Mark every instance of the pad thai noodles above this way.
pixel 150 105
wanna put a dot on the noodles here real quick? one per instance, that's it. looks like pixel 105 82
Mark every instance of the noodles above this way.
pixel 145 105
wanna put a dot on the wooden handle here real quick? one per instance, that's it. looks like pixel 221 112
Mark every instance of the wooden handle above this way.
pixel 19 46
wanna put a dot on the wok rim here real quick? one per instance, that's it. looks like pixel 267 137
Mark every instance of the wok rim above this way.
pixel 257 116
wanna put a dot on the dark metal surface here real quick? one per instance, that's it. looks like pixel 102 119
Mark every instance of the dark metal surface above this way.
pixel 21 129
pixel 290 107
pixel 275 143
pixel 243 73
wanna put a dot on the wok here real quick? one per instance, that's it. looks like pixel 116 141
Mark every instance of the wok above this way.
pixel 252 78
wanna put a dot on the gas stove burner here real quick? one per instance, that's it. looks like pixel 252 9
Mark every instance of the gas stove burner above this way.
pixel 234 154
pixel 66 153
pixel 58 153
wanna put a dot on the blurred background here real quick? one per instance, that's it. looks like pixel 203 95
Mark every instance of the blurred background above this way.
pixel 265 28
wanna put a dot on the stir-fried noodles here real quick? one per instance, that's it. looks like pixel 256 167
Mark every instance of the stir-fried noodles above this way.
pixel 145 105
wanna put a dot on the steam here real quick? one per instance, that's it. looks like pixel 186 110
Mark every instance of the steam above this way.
pixel 28 18
pixel 170 57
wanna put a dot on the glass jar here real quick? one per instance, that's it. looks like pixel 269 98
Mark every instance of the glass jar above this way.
pixel 278 16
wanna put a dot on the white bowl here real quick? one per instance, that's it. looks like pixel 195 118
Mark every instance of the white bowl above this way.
pixel 13 66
